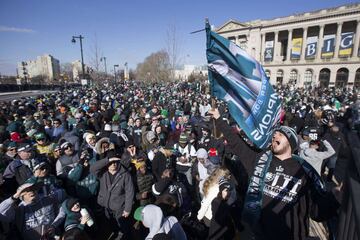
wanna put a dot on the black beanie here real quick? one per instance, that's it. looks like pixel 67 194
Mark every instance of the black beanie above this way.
pixel 71 202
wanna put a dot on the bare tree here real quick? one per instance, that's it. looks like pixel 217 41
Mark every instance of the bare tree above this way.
pixel 155 68
pixel 96 54
pixel 173 48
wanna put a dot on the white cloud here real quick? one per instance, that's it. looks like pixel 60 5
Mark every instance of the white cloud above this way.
pixel 14 29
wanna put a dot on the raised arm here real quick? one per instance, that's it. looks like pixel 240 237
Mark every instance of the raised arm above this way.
pixel 234 142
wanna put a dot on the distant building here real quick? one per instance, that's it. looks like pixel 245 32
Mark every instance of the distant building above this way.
pixel 77 70
pixel 187 70
pixel 319 48
pixel 45 68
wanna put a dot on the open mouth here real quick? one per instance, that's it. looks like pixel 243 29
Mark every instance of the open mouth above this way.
pixel 276 142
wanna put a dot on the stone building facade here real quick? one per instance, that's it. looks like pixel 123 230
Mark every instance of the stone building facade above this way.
pixel 319 48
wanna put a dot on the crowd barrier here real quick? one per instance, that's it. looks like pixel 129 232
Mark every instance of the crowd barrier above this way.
pixel 27 87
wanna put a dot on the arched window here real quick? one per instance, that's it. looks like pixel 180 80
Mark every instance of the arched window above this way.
pixel 324 77
pixel 342 76
pixel 293 76
pixel 279 77
pixel 357 79
pixel 308 76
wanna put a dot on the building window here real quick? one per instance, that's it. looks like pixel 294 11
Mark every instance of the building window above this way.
pixel 308 77
pixel 293 77
pixel 279 77
pixel 324 77
pixel 233 39
pixel 342 76
pixel 357 79
pixel 268 74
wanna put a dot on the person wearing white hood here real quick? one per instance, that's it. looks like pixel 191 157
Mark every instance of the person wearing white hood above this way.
pixel 199 169
pixel 152 217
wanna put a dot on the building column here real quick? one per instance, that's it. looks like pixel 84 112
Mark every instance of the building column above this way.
pixel 275 57
pixel 356 40
pixel 303 45
pixel 320 42
pixel 338 39
pixel 262 54
pixel 288 51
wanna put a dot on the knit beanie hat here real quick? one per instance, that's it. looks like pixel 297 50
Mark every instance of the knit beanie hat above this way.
pixel 291 136
pixel 183 138
pixel 15 137
pixel 202 153
pixel 224 183
pixel 214 156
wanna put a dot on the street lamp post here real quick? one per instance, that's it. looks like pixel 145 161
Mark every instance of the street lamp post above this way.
pixel 101 59
pixel 81 49
pixel 116 65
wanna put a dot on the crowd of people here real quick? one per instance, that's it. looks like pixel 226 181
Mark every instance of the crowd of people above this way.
pixel 136 161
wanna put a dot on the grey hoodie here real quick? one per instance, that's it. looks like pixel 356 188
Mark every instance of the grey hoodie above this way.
pixel 314 157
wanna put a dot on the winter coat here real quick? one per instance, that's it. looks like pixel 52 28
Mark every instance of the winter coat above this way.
pixel 19 170
pixel 85 183
pixel 221 226
pixel 65 163
pixel 32 219
pixel 72 219
pixel 144 183
pixel 116 196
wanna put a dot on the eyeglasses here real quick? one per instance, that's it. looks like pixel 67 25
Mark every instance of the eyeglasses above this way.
pixel 40 139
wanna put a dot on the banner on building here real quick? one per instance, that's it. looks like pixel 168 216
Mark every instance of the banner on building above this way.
pixel 240 80
pixel 269 51
pixel 328 46
pixel 311 47
pixel 296 48
pixel 346 44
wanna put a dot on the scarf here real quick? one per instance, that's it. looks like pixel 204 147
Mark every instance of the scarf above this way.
pixel 254 196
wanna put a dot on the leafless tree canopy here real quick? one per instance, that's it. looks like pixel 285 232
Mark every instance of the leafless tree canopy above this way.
pixel 173 45
pixel 155 68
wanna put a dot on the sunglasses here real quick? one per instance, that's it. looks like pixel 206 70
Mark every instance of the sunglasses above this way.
pixel 67 148
pixel 12 149
pixel 40 139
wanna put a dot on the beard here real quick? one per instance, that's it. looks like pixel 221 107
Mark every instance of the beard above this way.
pixel 278 149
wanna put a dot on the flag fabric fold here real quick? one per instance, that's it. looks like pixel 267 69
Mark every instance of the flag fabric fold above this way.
pixel 238 79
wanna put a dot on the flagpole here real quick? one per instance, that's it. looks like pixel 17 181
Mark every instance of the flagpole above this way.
pixel 213 101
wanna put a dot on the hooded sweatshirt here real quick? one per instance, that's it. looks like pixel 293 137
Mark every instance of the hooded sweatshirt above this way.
pixel 153 219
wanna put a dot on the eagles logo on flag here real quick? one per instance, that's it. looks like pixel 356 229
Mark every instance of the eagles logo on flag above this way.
pixel 240 80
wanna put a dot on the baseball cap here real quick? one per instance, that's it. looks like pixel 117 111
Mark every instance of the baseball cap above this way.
pixel 24 147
